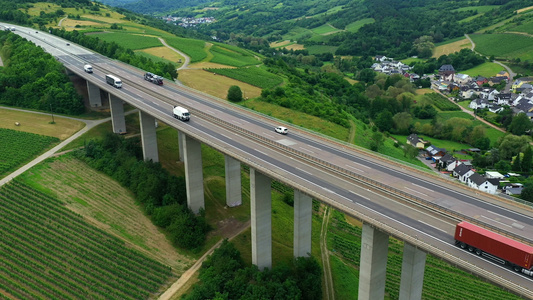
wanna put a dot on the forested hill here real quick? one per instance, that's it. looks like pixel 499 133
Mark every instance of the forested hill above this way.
pixel 153 6
pixel 367 27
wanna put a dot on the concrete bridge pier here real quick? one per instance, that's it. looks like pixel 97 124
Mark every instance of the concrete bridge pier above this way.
pixel 180 145
pixel 233 181
pixel 373 265
pixel 94 95
pixel 261 219
pixel 194 178
pixel 148 137
pixel 303 206
pixel 413 266
pixel 117 114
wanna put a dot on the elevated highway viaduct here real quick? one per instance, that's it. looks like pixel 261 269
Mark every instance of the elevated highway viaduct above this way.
pixel 390 198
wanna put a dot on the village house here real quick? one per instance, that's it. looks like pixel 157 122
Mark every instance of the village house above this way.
pixel 462 172
pixel 462 78
pixel 415 141
pixel 435 151
pixel 447 72
pixel 483 184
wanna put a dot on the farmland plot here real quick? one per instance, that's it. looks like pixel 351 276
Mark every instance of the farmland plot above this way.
pixel 49 252
pixel 18 147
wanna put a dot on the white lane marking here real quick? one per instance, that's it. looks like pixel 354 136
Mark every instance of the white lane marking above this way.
pixel 305 171
pixel 261 152
pixel 208 111
pixel 425 188
pixel 314 147
pixel 266 134
pixel 238 123
pixel 491 219
pixel 364 166
pixel 430 225
pixel 359 195
pixel 355 168
pixel 307 150
pixel 416 191
pixel 502 216
pixel 328 190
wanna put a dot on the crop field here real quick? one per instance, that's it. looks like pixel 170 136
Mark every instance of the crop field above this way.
pixel 448 48
pixel 325 29
pixel 354 27
pixel 209 83
pixel 161 54
pixel 480 9
pixel 316 49
pixel 441 280
pixel 526 27
pixel 231 57
pixel 130 41
pixel 193 48
pixel 486 69
pixel 251 75
pixel 49 252
pixel 503 45
pixel 442 103
pixel 18 147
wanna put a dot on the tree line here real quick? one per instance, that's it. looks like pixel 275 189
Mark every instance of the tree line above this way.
pixel 114 50
pixel 223 276
pixel 162 195
pixel 32 78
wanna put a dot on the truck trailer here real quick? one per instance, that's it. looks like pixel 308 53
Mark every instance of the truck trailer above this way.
pixel 113 80
pixel 181 113
pixel 495 246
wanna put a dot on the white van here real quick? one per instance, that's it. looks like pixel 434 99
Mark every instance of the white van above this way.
pixel 114 81
pixel 88 68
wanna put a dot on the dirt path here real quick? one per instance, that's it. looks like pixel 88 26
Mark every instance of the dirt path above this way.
pixel 181 282
pixel 471 113
pixel 328 279
pixel 187 58
pixel 351 137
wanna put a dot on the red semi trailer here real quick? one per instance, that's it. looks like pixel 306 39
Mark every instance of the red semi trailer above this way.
pixel 501 248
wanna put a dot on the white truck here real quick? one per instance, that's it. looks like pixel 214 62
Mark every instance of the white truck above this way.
pixel 181 113
pixel 113 80
pixel 88 68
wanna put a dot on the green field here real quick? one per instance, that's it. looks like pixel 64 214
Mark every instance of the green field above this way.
pixel 525 27
pixel 324 29
pixel 317 49
pixel 354 27
pixel 130 41
pixel 49 252
pixel 480 9
pixel 18 147
pixel 232 57
pixel 486 69
pixel 195 49
pixel 251 75
pixel 504 45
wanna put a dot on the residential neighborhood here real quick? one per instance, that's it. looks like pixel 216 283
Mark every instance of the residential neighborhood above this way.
pixel 491 182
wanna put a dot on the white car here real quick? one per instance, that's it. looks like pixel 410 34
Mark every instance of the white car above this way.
pixel 282 130
pixel 88 68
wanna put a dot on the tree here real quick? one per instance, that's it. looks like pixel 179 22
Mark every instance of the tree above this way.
pixel 402 121
pixel 383 121
pixel 527 192
pixel 234 94
pixel 520 124
pixel 527 160
pixel 517 166
pixel 510 145
pixel 367 75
